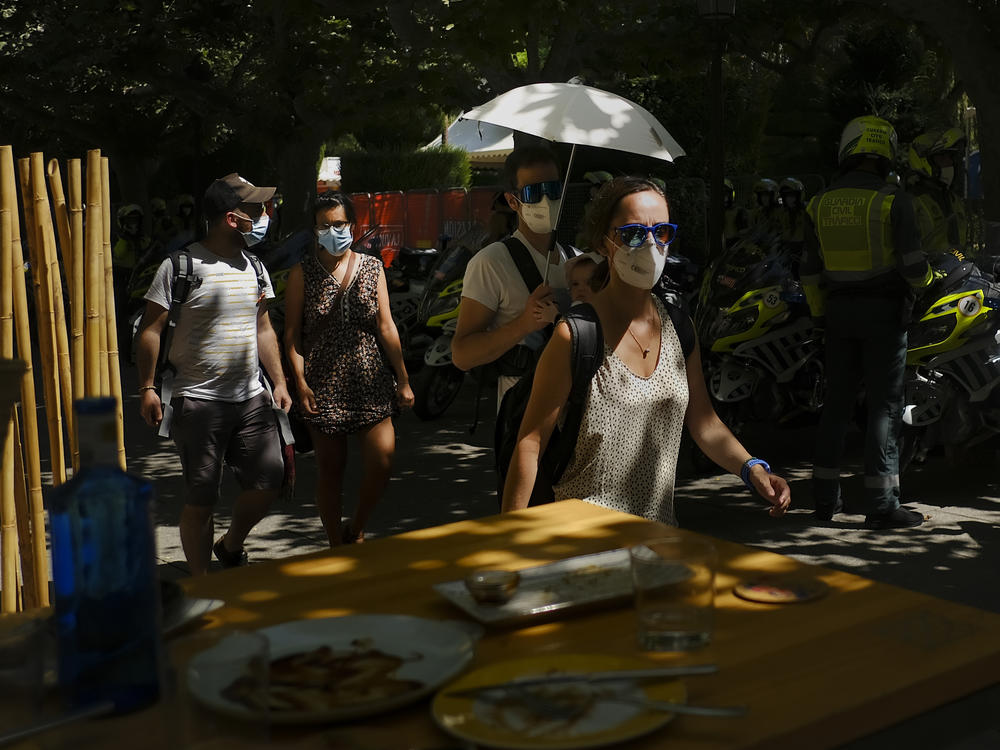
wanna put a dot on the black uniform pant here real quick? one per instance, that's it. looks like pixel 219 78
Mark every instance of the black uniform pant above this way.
pixel 865 348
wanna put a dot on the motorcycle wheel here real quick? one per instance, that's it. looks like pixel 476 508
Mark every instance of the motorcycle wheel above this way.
pixel 909 446
pixel 434 390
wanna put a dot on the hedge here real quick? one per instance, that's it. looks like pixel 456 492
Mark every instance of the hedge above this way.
pixel 378 170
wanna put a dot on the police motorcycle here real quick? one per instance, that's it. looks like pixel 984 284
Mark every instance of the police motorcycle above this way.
pixel 951 397
pixel 438 382
pixel 762 357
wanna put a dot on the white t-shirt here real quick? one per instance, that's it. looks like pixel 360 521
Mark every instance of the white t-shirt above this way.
pixel 214 347
pixel 492 280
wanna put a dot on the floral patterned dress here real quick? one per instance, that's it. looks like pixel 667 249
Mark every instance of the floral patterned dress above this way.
pixel 344 365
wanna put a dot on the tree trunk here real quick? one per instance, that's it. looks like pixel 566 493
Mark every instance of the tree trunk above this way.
pixel 297 174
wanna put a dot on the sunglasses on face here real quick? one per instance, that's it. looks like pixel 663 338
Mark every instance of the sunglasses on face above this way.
pixel 533 193
pixel 633 235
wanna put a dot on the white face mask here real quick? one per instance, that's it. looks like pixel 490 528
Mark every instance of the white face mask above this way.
pixel 641 267
pixel 541 217
pixel 257 231
pixel 947 175
pixel 335 241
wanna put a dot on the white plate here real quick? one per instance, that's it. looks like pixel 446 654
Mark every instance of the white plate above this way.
pixel 434 652
pixel 602 578
pixel 516 724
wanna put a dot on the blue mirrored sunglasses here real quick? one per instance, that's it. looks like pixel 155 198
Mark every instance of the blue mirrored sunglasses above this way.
pixel 533 193
pixel 633 235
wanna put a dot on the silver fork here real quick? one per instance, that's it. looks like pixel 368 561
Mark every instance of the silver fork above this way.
pixel 569 711
pixel 679 708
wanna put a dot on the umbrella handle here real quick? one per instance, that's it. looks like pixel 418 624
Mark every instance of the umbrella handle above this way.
pixel 552 242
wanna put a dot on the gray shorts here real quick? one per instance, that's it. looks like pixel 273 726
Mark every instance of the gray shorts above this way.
pixel 243 435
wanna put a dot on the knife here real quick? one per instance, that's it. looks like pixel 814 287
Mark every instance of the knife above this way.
pixel 567 677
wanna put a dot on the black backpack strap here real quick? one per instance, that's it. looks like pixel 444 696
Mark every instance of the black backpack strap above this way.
pixel 683 326
pixel 258 268
pixel 521 256
pixel 586 355
pixel 183 281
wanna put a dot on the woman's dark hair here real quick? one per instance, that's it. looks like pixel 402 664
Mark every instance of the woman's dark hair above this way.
pixel 332 199
pixel 602 208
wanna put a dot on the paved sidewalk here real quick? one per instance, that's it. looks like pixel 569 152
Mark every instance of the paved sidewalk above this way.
pixel 443 473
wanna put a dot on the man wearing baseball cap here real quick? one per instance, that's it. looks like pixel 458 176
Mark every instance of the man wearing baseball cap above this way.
pixel 218 410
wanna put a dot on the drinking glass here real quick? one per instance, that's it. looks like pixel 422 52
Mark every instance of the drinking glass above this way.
pixel 673 580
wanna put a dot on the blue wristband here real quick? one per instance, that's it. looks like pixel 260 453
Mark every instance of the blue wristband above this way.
pixel 749 464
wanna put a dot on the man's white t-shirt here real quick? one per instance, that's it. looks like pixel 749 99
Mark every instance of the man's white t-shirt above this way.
pixel 492 280
pixel 214 347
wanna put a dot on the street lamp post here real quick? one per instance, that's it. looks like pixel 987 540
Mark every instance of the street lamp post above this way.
pixel 717 13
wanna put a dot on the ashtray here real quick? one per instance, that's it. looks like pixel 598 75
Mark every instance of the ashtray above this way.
pixel 492 586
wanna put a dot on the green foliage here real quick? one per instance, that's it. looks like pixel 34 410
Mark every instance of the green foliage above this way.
pixel 688 197
pixel 398 169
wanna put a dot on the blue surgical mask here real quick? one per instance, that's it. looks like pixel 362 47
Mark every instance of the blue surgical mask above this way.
pixel 335 241
pixel 257 231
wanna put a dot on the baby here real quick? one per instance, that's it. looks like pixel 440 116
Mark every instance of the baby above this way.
pixel 579 273
pixel 579 276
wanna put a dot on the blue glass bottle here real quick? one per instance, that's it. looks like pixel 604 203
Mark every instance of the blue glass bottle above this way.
pixel 107 600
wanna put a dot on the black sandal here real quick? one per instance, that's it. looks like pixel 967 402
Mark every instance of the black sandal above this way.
pixel 227 558
pixel 347 535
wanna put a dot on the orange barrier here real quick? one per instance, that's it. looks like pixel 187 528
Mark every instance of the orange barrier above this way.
pixel 481 203
pixel 389 212
pixel 456 212
pixel 363 208
pixel 423 218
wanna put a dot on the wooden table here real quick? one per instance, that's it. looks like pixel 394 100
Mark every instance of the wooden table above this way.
pixel 814 675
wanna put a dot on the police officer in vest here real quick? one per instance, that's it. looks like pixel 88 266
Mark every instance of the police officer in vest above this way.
pixel 861 264
pixel 936 178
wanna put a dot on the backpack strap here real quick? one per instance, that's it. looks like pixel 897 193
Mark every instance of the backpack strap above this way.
pixel 183 281
pixel 586 355
pixel 521 256
pixel 258 268
pixel 683 326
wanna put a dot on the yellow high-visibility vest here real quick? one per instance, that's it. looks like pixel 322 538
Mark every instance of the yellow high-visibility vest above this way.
pixel 855 232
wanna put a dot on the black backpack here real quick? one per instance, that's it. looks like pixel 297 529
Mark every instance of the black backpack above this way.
pixel 587 354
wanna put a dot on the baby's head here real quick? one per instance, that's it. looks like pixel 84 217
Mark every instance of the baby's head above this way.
pixel 578 275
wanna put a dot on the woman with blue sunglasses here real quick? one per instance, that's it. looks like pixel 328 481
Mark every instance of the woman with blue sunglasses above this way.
pixel 646 389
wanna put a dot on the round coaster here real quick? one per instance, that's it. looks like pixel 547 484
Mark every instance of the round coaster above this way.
pixel 780 589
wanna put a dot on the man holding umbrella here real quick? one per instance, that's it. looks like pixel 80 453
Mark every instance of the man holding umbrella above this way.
pixel 503 312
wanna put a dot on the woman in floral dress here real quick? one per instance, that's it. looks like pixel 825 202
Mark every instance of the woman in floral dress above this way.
pixel 347 361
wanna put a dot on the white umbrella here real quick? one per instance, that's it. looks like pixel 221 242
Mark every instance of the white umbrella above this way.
pixel 579 115
pixel 485 144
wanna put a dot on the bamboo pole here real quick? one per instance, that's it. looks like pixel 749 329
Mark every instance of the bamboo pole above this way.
pixel 78 305
pixel 45 315
pixel 43 215
pixel 8 513
pixel 114 367
pixel 102 287
pixel 29 411
pixel 66 253
pixel 95 273
pixel 22 512
pixel 61 212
